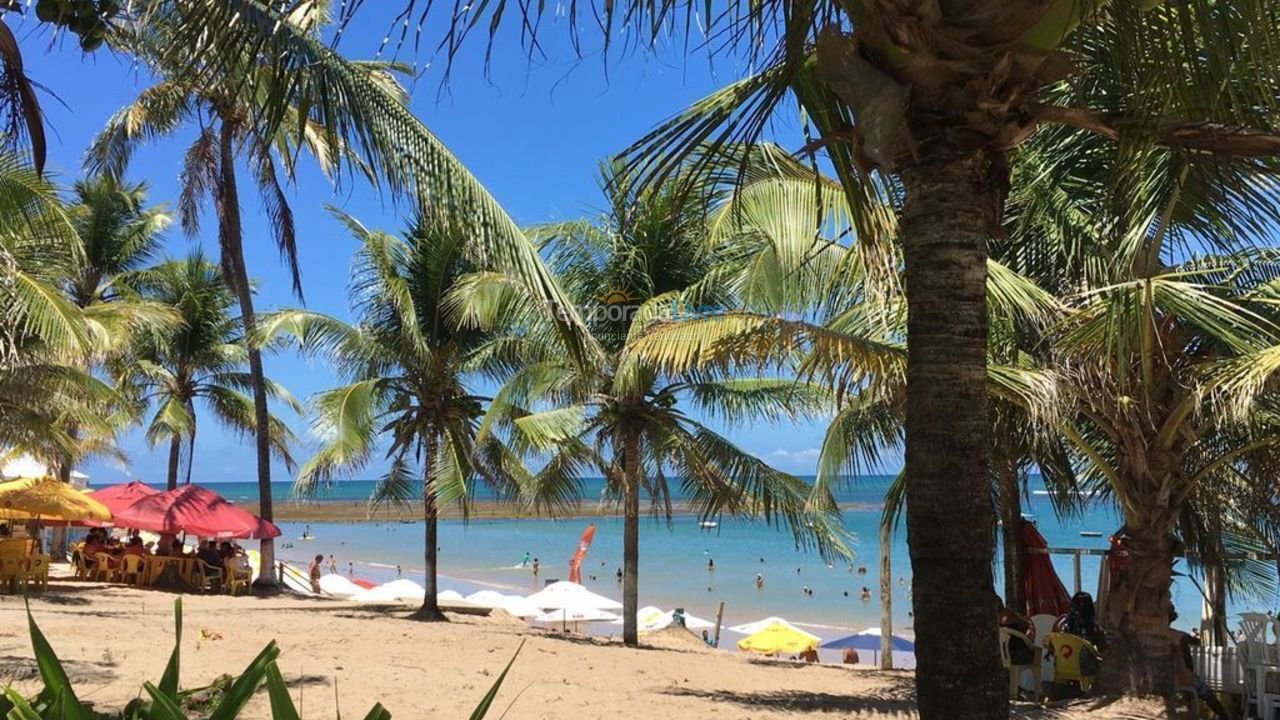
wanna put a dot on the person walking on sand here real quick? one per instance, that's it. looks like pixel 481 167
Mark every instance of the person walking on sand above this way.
pixel 535 567
pixel 315 574
pixel 333 565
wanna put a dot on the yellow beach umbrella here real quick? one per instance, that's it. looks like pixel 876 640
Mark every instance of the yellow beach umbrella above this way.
pixel 778 638
pixel 49 500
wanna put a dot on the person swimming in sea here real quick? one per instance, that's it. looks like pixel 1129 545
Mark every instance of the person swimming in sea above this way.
pixel 866 593
pixel 862 569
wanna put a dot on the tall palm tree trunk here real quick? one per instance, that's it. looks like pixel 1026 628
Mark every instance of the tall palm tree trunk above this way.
pixel 1010 524
pixel 430 610
pixel 951 205
pixel 630 536
pixel 886 596
pixel 1139 656
pixel 227 201
pixel 175 449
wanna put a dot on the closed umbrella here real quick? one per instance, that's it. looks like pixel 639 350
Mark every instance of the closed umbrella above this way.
pixel 49 500
pixel 197 511
pixel 778 637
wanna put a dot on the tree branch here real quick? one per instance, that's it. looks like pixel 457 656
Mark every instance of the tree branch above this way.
pixel 1200 136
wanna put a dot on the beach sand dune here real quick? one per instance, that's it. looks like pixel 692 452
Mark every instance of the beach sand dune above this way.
pixel 114 638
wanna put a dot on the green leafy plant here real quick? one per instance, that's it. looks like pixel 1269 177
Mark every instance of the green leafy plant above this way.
pixel 58 701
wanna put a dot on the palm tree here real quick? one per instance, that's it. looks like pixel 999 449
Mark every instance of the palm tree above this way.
pixel 409 365
pixel 938 95
pixel 44 337
pixel 117 235
pixel 202 359
pixel 626 418
pixel 360 107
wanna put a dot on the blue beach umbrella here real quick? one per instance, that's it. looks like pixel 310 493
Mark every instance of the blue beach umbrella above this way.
pixel 870 640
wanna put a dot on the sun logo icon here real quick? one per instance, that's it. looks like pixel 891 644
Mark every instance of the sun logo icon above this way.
pixel 613 297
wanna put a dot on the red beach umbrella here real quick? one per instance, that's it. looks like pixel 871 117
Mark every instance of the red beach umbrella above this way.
pixel 119 497
pixel 194 510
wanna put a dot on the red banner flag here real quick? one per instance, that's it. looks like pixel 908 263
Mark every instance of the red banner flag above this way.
pixel 584 542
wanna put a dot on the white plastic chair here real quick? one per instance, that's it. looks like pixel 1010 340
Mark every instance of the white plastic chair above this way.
pixel 1043 624
pixel 1259 658
pixel 1016 671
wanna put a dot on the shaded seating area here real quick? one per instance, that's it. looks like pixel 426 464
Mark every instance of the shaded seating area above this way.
pixel 116 551
pixel 36 502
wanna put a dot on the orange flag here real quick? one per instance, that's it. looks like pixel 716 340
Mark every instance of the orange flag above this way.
pixel 584 542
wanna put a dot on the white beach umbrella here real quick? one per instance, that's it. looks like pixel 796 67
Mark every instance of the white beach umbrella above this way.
pixel 401 590
pixel 757 626
pixel 487 598
pixel 651 619
pixel 521 607
pixel 339 586
pixel 577 615
pixel 448 595
pixel 567 594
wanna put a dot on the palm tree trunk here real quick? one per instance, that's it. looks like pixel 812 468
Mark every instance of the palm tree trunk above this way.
pixel 886 597
pixel 951 205
pixel 1139 656
pixel 430 610
pixel 1010 524
pixel 227 202
pixel 175 449
pixel 630 536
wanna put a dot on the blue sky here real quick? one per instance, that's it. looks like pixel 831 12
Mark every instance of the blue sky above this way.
pixel 531 130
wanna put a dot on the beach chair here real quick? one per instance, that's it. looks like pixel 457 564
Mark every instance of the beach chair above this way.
pixel 103 570
pixel 1067 651
pixel 237 577
pixel 1261 677
pixel 13 571
pixel 80 565
pixel 206 577
pixel 133 569
pixel 1008 635
pixel 38 571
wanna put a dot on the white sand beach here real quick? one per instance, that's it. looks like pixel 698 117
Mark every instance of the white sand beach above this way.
pixel 113 638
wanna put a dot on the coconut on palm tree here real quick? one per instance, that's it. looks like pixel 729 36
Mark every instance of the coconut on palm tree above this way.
pixel 410 368
pixel 200 361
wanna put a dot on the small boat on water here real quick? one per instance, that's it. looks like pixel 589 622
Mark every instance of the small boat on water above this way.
pixel 1090 533
pixel 708 524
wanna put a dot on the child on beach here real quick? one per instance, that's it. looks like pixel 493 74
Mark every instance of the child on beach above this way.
pixel 315 574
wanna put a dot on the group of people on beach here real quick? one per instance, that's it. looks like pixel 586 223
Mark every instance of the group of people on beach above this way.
pixel 1077 637
pixel 102 546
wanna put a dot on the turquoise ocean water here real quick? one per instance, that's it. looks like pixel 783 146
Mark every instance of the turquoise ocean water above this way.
pixel 673 558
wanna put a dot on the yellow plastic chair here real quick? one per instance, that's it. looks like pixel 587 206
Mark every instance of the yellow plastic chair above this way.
pixel 13 571
pixel 102 568
pixel 207 576
pixel 1066 650
pixel 1008 635
pixel 38 571
pixel 237 577
pixel 131 570
pixel 81 566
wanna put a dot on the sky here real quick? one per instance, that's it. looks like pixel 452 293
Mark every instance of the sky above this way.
pixel 531 129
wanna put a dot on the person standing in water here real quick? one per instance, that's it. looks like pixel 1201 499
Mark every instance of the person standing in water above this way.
pixel 524 560
pixel 535 567
pixel 759 581
pixel 711 564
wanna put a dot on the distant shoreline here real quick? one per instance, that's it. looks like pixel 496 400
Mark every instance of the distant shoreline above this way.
pixel 340 511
